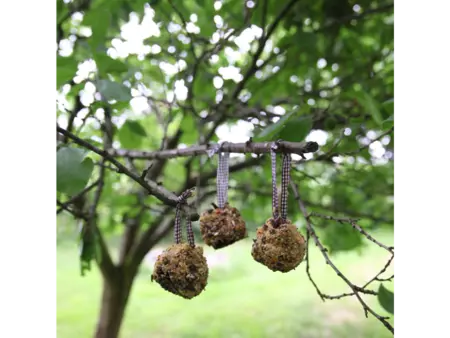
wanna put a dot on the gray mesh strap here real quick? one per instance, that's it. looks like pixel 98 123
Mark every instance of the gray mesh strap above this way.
pixel 177 229
pixel 222 179
pixel 190 232
pixel 285 178
pixel 273 156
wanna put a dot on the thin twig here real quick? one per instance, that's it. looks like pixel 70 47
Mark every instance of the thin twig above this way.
pixel 349 212
pixel 321 295
pixel 184 22
pixel 261 192
pixel 106 166
pixel 104 261
pixel 361 290
pixel 98 192
pixel 75 197
pixel 353 223
pixel 76 213
pixel 389 279
pixel 264 16
pixel 330 154
pixel 358 16
pixel 152 187
pixel 356 290
pixel 262 43
pixel 381 272
pixel 334 146
pixel 311 177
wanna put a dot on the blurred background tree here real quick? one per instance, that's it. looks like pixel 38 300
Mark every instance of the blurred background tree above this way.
pixel 155 75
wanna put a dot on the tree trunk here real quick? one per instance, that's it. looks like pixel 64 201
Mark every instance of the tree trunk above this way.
pixel 114 300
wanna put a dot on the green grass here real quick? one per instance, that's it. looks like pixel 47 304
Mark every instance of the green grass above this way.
pixel 243 299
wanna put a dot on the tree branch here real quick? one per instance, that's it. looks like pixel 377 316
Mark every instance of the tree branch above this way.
pixel 355 226
pixel 104 261
pixel 261 192
pixel 377 278
pixel 356 290
pixel 298 148
pixel 132 226
pixel 307 268
pixel 159 228
pixel 184 22
pixel 264 16
pixel 152 187
pixel 253 68
pixel 350 213
pixel 331 154
pixel 161 225
pixel 76 197
pixel 74 212
pixel 73 114
pixel 340 21
pixel 363 288
pixel 152 173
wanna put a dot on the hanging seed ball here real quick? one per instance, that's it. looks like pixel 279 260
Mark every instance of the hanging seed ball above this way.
pixel 222 227
pixel 280 248
pixel 181 270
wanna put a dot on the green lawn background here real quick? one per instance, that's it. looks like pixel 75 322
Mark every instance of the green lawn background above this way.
pixel 242 299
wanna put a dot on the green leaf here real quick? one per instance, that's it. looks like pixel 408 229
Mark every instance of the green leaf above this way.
pixel 131 134
pixel 66 68
pixel 73 170
pixel 113 90
pixel 189 129
pixel 138 5
pixel 136 128
pixel 339 238
pixel 330 123
pixel 174 169
pixel 392 142
pixel 296 129
pixel 107 65
pixel 388 105
pixel 231 13
pixel 88 248
pixel 272 130
pixel 386 299
pixel 119 106
pixel 61 10
pixel 306 41
pixel 99 20
pixel 388 123
pixel 370 105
